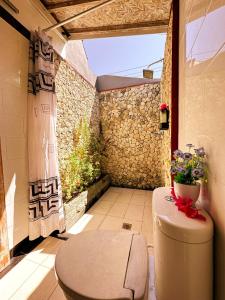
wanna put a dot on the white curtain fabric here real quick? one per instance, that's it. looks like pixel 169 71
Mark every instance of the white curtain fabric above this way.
pixel 45 201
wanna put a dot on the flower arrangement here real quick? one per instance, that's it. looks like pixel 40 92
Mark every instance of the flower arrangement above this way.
pixel 189 167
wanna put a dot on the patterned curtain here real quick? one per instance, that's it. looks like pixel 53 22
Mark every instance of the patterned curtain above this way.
pixel 45 200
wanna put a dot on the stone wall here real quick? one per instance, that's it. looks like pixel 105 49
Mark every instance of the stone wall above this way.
pixel 129 122
pixel 166 85
pixel 76 98
pixel 131 137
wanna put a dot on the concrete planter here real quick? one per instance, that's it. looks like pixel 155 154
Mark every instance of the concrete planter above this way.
pixel 76 207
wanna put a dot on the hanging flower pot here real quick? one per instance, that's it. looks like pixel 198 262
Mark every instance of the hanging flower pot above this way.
pixel 164 116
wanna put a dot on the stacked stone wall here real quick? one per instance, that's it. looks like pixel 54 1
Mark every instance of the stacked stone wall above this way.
pixel 130 132
pixel 76 99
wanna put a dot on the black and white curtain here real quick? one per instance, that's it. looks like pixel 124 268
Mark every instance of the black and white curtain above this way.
pixel 45 200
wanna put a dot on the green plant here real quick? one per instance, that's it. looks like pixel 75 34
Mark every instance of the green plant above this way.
pixel 82 167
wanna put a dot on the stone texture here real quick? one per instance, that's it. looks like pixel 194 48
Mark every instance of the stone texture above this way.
pixel 131 137
pixel 166 85
pixel 76 98
pixel 76 207
pixel 128 119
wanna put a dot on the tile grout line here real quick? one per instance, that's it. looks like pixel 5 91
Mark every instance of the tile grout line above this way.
pixel 24 281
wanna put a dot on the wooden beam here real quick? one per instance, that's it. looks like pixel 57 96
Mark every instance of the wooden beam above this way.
pixel 116 33
pixel 79 15
pixel 106 28
pixel 65 32
pixel 55 5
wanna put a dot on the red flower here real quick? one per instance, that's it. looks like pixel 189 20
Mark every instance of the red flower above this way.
pixel 185 205
pixel 163 106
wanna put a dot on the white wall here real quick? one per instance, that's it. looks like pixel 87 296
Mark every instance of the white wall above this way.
pixel 13 106
pixel 13 129
pixel 32 15
pixel 202 104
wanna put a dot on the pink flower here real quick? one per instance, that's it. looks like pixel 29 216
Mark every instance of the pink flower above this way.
pixel 163 106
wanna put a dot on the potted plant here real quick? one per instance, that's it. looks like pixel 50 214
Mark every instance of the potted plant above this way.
pixel 188 170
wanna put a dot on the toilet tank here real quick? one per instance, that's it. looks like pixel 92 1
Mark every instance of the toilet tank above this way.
pixel 183 252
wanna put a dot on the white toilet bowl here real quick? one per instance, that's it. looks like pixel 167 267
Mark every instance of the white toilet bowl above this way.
pixel 103 265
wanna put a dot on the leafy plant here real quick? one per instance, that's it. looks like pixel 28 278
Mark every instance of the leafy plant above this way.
pixel 189 167
pixel 82 167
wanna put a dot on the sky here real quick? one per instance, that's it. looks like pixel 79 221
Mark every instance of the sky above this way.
pixel 112 55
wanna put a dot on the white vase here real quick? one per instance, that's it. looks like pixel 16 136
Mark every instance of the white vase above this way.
pixel 187 191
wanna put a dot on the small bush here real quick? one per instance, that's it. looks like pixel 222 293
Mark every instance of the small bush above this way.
pixel 82 167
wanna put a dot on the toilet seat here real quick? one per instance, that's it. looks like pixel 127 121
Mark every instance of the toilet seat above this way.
pixel 103 265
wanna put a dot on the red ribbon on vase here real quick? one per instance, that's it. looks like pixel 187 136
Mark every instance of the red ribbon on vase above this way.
pixel 185 205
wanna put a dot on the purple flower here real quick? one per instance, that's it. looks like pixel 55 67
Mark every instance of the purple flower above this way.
pixel 200 152
pixel 180 169
pixel 198 172
pixel 173 170
pixel 178 153
pixel 187 156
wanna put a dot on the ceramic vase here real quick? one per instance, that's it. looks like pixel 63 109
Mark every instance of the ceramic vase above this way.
pixel 187 191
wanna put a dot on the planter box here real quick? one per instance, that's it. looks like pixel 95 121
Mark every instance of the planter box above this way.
pixel 77 206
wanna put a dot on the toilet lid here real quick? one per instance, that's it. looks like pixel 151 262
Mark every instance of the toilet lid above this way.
pixel 176 224
pixel 103 265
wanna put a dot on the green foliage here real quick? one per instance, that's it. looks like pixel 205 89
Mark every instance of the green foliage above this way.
pixel 184 178
pixel 82 167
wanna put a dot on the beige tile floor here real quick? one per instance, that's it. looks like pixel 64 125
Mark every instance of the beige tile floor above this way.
pixel 33 277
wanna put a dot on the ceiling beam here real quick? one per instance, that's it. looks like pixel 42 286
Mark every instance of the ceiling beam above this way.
pixel 55 5
pixel 119 30
pixel 120 26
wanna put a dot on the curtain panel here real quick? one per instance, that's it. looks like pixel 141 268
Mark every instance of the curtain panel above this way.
pixel 45 196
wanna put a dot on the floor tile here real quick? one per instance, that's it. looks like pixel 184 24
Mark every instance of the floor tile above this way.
pixel 57 294
pixel 16 277
pixel 115 189
pixel 123 198
pixel 101 208
pixel 118 210
pixel 147 216
pixel 40 285
pixel 147 231
pixel 111 223
pixel 49 262
pixel 135 212
pixel 139 192
pixel 110 196
pixel 89 221
pixel 148 199
pixel 49 246
pixel 147 226
pixel 95 222
pixel 138 200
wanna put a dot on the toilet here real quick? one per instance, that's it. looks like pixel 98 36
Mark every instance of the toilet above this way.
pixel 103 265
pixel 183 251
